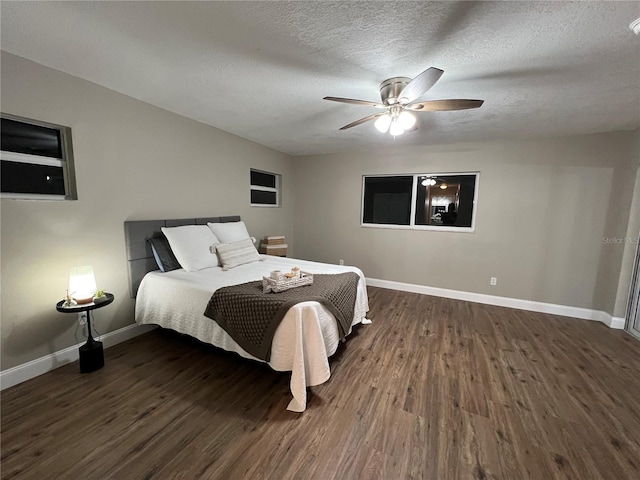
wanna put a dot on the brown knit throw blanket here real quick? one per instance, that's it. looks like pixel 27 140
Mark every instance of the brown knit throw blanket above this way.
pixel 252 317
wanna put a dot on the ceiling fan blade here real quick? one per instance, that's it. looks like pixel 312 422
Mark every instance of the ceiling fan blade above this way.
pixel 420 85
pixel 444 105
pixel 355 102
pixel 362 120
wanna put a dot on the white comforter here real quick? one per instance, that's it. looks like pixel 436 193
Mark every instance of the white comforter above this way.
pixel 307 336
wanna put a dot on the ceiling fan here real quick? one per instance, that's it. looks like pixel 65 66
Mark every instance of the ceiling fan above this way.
pixel 398 96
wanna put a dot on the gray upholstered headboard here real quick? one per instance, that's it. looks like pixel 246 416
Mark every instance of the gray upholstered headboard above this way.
pixel 139 255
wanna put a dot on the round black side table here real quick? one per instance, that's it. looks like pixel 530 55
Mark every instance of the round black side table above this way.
pixel 91 353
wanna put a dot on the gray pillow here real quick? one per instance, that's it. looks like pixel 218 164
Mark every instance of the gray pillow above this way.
pixel 161 249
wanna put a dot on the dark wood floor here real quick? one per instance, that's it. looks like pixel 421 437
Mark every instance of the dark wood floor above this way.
pixel 433 389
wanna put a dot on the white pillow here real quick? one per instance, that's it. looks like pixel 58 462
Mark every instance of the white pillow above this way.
pixel 193 246
pixel 229 232
pixel 237 253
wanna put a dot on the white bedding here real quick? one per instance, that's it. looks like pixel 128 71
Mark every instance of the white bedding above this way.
pixel 306 337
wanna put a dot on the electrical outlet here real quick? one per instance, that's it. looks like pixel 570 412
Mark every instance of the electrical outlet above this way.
pixel 341 261
pixel 493 281
pixel 82 318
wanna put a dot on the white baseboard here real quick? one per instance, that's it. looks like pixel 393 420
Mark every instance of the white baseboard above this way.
pixel 29 370
pixel 566 311
pixel 616 322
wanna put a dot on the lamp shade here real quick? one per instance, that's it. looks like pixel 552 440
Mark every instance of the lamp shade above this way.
pixel 82 284
pixel 382 123
pixel 396 129
pixel 406 120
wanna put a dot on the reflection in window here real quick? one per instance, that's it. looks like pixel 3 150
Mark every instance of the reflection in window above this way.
pixel 445 200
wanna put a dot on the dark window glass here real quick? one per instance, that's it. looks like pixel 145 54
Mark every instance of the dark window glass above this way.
pixel 263 179
pixel 387 200
pixel 23 137
pixel 264 198
pixel 20 177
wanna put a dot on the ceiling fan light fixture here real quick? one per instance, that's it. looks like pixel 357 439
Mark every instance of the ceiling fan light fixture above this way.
pixel 396 129
pixel 428 182
pixel 406 120
pixel 383 123
pixel 635 26
pixel 398 97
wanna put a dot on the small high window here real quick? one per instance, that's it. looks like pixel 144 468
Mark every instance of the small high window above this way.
pixel 36 160
pixel 429 201
pixel 265 189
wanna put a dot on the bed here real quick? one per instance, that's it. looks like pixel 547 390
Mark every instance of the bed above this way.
pixel 303 342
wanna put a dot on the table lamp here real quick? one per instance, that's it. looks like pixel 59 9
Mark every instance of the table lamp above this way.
pixel 82 284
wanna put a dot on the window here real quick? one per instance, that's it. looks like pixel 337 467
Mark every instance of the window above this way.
pixel 430 201
pixel 36 160
pixel 387 200
pixel 265 189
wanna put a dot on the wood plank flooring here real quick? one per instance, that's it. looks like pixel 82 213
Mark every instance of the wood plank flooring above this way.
pixel 433 389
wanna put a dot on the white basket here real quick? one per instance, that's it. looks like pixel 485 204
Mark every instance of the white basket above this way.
pixel 283 283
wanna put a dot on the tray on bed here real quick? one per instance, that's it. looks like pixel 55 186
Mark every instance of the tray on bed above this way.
pixel 283 283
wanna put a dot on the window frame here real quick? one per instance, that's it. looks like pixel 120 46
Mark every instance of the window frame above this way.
pixel 66 162
pixel 261 188
pixel 412 225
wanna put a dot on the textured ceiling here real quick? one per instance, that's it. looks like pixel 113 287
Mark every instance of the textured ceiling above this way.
pixel 260 69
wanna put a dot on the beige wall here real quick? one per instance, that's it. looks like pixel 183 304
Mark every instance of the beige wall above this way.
pixel 133 161
pixel 630 241
pixel 543 209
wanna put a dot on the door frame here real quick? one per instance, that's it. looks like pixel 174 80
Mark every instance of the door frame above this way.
pixel 632 323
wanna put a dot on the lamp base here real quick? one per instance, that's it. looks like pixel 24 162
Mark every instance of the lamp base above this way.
pixel 91 356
